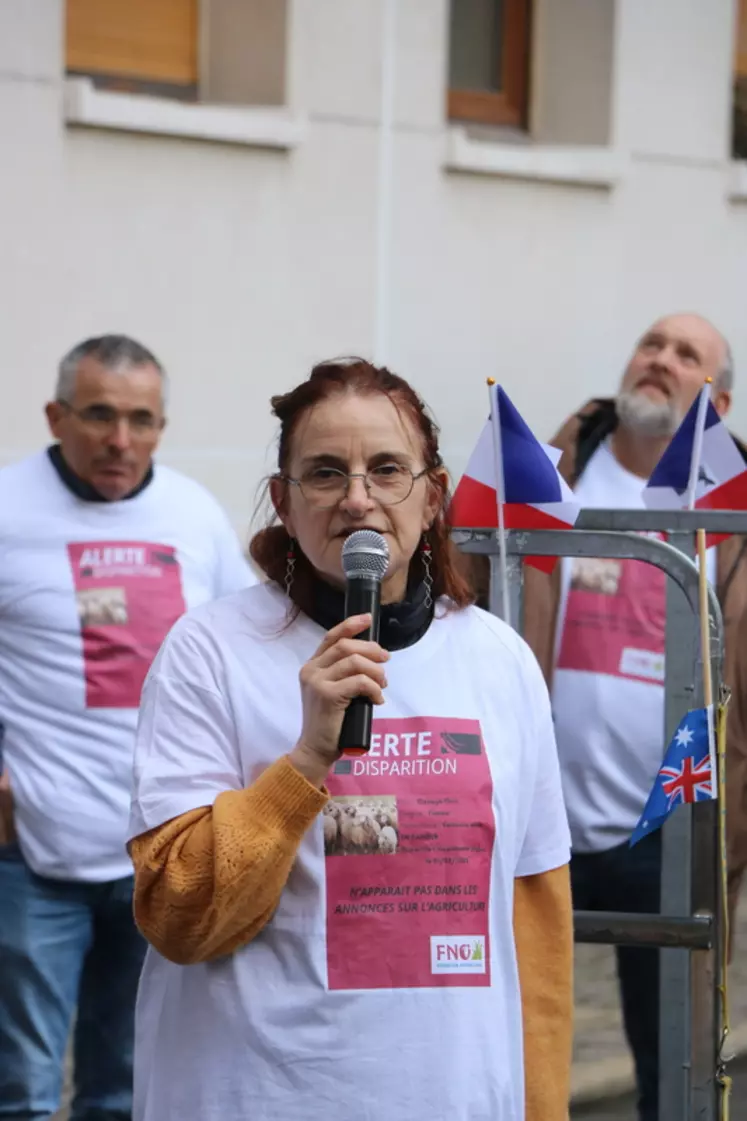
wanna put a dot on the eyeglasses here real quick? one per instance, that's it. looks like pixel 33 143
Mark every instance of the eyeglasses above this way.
pixel 102 419
pixel 389 484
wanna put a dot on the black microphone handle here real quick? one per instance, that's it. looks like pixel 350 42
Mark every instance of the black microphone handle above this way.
pixel 362 597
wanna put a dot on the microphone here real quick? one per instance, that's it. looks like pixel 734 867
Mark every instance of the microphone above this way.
pixel 365 559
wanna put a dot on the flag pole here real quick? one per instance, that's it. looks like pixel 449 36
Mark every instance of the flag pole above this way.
pixel 705 621
pixel 717 752
pixel 500 491
pixel 700 536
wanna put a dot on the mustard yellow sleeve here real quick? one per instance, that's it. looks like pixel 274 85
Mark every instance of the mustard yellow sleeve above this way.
pixel 543 933
pixel 206 882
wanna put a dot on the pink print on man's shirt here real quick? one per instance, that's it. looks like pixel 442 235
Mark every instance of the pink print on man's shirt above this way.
pixel 615 619
pixel 129 595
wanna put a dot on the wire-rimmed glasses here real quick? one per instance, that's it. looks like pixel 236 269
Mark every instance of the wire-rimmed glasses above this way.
pixel 324 487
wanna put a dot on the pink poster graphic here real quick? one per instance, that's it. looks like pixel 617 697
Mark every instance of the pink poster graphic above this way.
pixel 408 837
pixel 129 595
pixel 615 619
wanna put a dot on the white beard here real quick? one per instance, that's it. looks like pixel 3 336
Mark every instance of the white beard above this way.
pixel 640 414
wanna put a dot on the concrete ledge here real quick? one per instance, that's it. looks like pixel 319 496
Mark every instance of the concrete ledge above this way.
pixel 252 126
pixel 579 166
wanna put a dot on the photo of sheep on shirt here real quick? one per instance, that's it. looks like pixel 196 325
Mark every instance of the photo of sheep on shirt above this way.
pixel 99 607
pixel 596 574
pixel 360 825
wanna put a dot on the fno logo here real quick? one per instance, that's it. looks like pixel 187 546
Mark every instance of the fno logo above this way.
pixel 458 953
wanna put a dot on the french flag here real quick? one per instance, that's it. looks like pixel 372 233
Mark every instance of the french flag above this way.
pixel 509 466
pixel 702 469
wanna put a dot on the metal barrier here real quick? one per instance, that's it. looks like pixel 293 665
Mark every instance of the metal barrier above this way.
pixel 688 930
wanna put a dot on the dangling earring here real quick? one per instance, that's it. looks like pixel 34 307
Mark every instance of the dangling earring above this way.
pixel 290 564
pixel 426 555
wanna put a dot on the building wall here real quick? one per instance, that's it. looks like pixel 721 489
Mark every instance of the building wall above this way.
pixel 241 266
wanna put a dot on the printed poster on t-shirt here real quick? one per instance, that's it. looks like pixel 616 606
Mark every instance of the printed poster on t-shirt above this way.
pixel 615 619
pixel 129 595
pixel 408 837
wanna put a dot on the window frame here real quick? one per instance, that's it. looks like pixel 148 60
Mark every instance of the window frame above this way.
pixel 508 106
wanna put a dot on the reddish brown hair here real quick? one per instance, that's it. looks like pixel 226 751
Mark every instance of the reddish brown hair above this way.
pixel 269 548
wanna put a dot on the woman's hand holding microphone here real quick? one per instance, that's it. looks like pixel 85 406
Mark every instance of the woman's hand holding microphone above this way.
pixel 343 667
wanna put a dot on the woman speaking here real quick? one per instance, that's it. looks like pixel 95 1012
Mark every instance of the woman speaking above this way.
pixel 383 935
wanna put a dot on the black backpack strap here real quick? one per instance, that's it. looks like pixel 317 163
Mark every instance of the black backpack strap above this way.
pixel 594 428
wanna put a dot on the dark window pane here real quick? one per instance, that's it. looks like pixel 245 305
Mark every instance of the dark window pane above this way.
pixel 475 45
pixel 739 136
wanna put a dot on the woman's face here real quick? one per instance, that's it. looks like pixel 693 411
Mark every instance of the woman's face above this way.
pixel 356 434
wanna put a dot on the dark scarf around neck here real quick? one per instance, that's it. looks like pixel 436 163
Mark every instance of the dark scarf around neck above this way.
pixel 400 624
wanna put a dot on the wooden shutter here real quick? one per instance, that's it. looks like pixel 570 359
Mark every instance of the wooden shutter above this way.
pixel 148 42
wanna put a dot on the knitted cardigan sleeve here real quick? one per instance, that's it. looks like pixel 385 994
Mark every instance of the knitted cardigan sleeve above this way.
pixel 206 882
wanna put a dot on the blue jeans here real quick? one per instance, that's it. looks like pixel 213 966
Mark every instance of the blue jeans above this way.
pixel 65 946
pixel 629 879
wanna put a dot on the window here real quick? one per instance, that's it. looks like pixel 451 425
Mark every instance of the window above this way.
pixel 138 46
pixel 739 132
pixel 488 61
pixel 230 52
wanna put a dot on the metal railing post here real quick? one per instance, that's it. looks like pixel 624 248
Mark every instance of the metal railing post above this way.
pixel 675 997
pixel 688 928
pixel 515 575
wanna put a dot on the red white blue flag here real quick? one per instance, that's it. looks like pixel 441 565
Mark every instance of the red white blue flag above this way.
pixel 702 469
pixel 532 492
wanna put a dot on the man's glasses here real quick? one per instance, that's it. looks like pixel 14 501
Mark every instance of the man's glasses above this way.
pixel 325 487
pixel 102 419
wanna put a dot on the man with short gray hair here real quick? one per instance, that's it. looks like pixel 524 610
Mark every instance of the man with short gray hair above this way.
pixel 598 630
pixel 102 550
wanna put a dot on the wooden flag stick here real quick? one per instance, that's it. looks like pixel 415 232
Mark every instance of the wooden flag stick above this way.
pixel 719 763
pixel 500 490
pixel 705 619
pixel 700 537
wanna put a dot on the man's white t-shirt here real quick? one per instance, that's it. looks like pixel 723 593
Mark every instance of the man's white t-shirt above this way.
pixel 608 680
pixel 385 984
pixel 88 591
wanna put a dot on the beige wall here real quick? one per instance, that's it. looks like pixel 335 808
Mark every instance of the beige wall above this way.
pixel 241 266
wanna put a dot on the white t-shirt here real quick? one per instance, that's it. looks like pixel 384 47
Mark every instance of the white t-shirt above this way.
pixel 608 681
pixel 385 984
pixel 88 591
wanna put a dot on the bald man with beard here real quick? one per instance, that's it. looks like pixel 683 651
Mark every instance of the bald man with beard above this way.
pixel 599 630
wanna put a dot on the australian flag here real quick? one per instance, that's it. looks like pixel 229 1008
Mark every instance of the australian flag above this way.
pixel 688 773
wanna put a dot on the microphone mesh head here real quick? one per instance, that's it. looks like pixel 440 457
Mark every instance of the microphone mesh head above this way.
pixel 365 555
